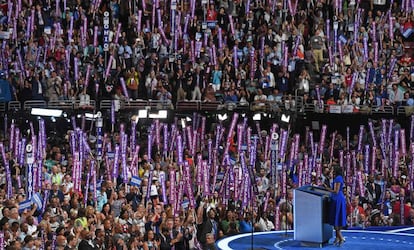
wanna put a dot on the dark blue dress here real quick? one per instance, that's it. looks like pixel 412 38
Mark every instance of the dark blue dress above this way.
pixel 338 205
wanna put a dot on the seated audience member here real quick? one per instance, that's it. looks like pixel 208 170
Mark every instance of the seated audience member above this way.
pixel 164 96
pixel 260 100
pixel 355 213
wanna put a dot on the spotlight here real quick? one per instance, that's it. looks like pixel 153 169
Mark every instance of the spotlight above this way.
pixel 183 123
pixel 46 112
pixel 162 114
pixel 257 117
pixel 222 117
pixel 92 116
pixel 285 118
pixel 99 122
pixel 142 113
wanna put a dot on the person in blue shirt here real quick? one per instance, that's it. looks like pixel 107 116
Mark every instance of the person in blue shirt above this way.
pixel 370 73
pixel 381 95
pixel 246 223
pixel 230 96
pixel 379 76
pixel 217 76
pixel 282 81
pixel 387 203
pixel 5 92
pixel 115 9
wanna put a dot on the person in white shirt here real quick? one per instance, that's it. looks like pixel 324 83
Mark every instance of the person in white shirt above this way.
pixel 31 227
pixel 395 95
pixel 155 40
pixel 67 185
pixel 264 224
pixel 290 103
pixel 151 83
pixel 304 78
pixel 263 181
pixel 119 98
pixel 271 77
pixel 260 99
pixel 84 99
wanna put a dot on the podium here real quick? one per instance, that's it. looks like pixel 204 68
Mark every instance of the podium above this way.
pixel 311 215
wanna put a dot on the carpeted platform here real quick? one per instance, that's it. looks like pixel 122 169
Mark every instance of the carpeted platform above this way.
pixel 402 238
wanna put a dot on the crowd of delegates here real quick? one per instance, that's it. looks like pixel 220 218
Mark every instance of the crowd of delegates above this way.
pixel 218 50
pixel 131 215
pixel 333 52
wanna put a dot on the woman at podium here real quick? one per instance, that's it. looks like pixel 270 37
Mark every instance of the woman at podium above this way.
pixel 337 215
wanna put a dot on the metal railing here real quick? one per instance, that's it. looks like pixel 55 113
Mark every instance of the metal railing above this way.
pixel 211 106
pixel 64 104
pixel 3 107
pixel 14 106
pixel 157 104
pixel 295 106
pixel 349 109
pixel 136 104
pixel 34 104
pixel 106 104
pixel 187 106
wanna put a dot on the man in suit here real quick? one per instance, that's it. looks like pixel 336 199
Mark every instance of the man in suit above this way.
pixel 209 224
pixel 373 191
pixel 197 84
pixel 270 38
pixel 326 177
pixel 86 243
pixel 37 87
pixel 173 234
pixel 210 242
pixel 331 91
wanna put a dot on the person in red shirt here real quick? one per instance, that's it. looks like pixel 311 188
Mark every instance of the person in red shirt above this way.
pixel 211 13
pixel 348 77
pixel 4 7
pixel 406 59
pixel 355 213
pixel 60 54
pixel 396 210
pixel 408 24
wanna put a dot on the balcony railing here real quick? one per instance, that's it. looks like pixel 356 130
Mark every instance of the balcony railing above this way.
pixel 350 109
pixel 294 106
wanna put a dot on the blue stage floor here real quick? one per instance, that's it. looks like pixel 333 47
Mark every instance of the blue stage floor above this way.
pixel 401 238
